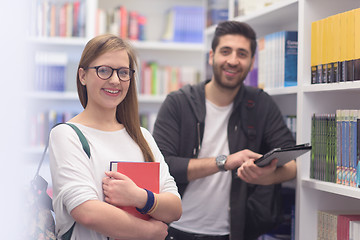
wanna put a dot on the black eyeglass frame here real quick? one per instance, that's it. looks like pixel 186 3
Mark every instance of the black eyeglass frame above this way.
pixel 131 72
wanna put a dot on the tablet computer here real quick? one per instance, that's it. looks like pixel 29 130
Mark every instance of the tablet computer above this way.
pixel 283 155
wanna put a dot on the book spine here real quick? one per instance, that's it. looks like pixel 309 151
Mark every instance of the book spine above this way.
pixel 314 146
pixel 357 45
pixel 358 151
pixel 314 56
pixel 339 146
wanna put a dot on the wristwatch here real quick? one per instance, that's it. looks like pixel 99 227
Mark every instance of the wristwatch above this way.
pixel 220 162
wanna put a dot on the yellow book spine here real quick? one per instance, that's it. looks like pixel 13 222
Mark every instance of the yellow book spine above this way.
pixel 320 58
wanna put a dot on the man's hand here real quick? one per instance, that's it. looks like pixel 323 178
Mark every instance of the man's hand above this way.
pixel 251 173
pixel 237 159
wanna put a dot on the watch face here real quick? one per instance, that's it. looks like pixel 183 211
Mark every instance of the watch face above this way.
pixel 220 162
pixel 221 158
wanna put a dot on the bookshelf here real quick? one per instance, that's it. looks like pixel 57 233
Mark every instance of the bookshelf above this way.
pixel 314 195
pixel 177 54
pixel 305 99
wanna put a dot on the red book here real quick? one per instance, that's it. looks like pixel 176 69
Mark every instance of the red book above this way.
pixel 344 225
pixel 144 174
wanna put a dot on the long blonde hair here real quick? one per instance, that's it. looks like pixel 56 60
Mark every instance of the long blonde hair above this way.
pixel 127 112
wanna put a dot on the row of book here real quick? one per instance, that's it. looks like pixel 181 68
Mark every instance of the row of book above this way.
pixel 277 63
pixel 58 18
pixel 335 140
pixel 333 225
pixel 159 80
pixel 42 122
pixel 154 79
pixel 335 48
pixel 50 71
pixel 246 7
pixel 121 22
pixel 184 24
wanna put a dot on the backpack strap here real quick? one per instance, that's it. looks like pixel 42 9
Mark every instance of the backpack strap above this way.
pixel 84 142
pixel 40 184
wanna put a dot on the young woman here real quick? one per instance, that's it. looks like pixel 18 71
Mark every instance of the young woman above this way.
pixel 85 192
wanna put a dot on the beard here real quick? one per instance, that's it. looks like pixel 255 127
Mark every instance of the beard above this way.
pixel 230 83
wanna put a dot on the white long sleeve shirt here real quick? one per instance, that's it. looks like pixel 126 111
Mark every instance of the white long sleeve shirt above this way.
pixel 77 179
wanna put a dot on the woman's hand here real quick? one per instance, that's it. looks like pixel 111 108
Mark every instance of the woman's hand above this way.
pixel 120 190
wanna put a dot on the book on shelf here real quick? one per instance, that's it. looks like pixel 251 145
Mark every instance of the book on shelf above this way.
pixel 357 45
pixel 354 230
pixel 184 24
pixel 158 79
pixel 217 11
pixel 335 49
pixel 246 7
pixel 278 60
pixel 50 71
pixel 290 121
pixel 58 19
pixel 333 225
pixel 147 120
pixel 323 140
pixel 252 77
pixel 121 22
pixel 143 174
pixel 335 141
pixel 42 122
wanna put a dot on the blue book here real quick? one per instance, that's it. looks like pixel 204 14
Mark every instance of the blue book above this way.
pixel 217 11
pixel 353 146
pixel 291 54
pixel 345 149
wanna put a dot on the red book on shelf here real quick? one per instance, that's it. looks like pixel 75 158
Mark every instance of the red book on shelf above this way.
pixel 144 174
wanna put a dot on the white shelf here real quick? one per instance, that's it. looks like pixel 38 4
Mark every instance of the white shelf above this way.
pixel 151 98
pixel 49 95
pixel 265 19
pixel 140 45
pixel 340 86
pixel 332 188
pixel 172 46
pixel 59 41
pixel 73 96
pixel 282 91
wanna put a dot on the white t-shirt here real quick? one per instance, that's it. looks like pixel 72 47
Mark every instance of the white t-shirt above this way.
pixel 206 200
pixel 77 179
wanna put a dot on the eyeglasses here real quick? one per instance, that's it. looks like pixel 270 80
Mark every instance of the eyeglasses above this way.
pixel 105 72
